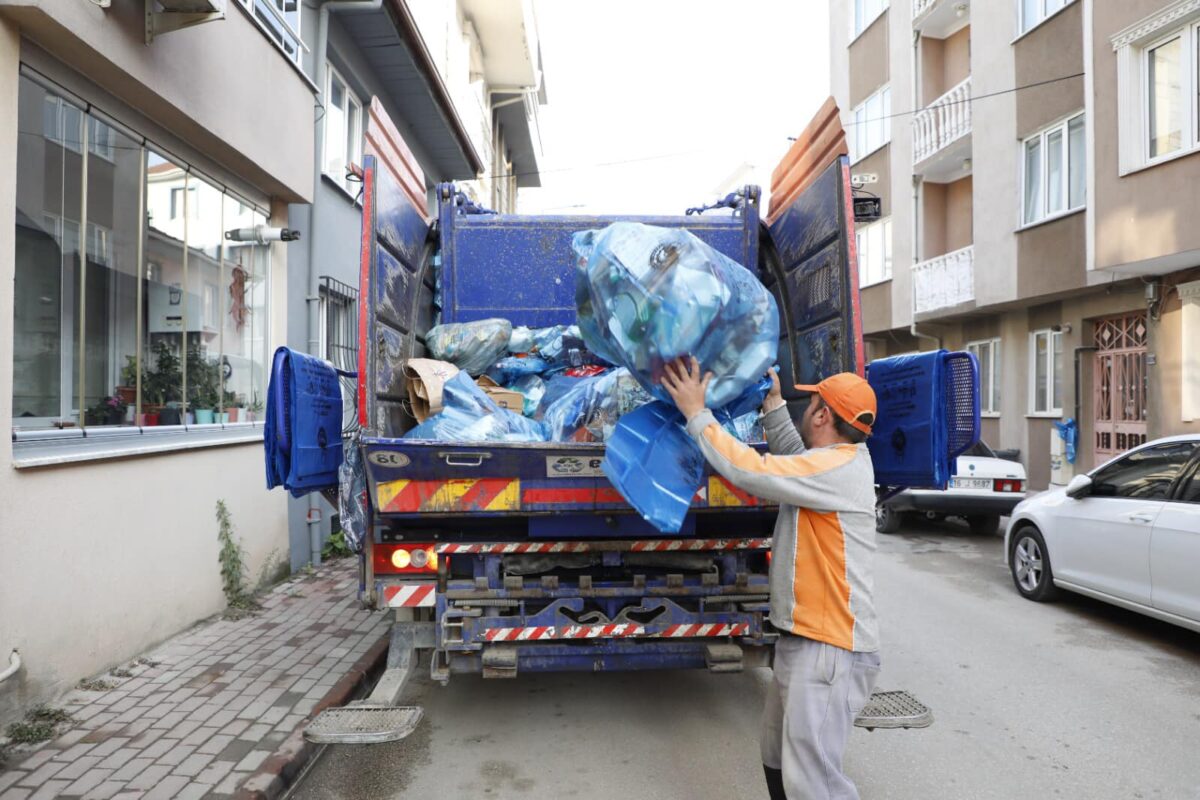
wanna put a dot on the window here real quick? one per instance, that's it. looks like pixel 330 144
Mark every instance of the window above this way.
pixel 988 354
pixel 864 13
pixel 1054 172
pixel 280 21
pixel 872 124
pixel 1190 491
pixel 1045 367
pixel 1035 12
pixel 134 323
pixel 343 130
pixel 1145 474
pixel 874 243
pixel 1158 62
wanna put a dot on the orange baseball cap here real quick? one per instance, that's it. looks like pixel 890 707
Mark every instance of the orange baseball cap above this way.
pixel 850 397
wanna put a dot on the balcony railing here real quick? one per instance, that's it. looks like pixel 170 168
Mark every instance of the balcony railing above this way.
pixel 921 6
pixel 942 122
pixel 944 281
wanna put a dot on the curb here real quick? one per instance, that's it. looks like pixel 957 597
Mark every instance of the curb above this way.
pixel 280 770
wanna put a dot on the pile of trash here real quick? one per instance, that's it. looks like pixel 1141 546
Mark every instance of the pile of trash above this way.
pixel 644 297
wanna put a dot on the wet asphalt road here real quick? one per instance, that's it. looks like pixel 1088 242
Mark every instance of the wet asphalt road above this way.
pixel 1074 699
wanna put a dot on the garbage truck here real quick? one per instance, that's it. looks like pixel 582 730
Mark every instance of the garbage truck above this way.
pixel 502 558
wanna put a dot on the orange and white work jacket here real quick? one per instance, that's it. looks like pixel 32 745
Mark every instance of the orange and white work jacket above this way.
pixel 821 572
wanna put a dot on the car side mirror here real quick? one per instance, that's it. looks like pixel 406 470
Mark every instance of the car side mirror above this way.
pixel 1080 486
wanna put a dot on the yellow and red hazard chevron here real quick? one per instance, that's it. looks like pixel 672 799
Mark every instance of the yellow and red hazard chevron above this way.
pixel 723 494
pixel 409 595
pixel 638 546
pixel 458 494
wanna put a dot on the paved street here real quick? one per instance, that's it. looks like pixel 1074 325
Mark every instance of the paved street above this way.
pixel 1071 700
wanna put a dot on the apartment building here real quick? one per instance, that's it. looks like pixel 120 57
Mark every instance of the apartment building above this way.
pixel 134 366
pixel 1031 156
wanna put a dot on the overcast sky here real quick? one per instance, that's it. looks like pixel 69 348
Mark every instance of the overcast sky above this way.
pixel 685 92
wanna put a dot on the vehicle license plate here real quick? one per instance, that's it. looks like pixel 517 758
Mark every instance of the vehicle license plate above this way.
pixel 971 483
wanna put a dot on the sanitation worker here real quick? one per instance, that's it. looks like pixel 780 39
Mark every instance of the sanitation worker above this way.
pixel 827 656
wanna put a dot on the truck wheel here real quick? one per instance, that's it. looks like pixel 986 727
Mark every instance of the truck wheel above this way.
pixel 1029 562
pixel 984 526
pixel 887 519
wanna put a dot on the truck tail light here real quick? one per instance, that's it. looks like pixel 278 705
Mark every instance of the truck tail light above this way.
pixel 1009 485
pixel 405 558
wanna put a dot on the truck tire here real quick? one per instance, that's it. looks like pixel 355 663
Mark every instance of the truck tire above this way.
pixel 984 526
pixel 887 519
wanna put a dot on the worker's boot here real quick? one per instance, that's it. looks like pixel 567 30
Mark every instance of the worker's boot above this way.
pixel 774 783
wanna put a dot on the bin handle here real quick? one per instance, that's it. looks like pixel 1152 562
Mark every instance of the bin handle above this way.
pixel 464 459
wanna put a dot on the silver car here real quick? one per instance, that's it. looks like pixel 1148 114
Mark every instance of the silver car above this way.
pixel 1127 533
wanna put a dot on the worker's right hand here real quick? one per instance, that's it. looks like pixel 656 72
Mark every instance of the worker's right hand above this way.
pixel 774 398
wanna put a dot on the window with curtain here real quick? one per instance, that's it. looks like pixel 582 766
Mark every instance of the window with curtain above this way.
pixel 872 124
pixel 874 244
pixel 1054 171
pixel 988 354
pixel 1045 366
pixel 1035 12
pixel 125 325
pixel 343 130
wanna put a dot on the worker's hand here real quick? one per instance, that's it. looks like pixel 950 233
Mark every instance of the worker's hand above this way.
pixel 682 380
pixel 774 398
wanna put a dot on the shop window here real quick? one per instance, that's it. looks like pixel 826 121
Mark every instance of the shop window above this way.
pixel 141 321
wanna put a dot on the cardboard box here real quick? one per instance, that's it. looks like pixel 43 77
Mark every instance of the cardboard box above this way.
pixel 505 398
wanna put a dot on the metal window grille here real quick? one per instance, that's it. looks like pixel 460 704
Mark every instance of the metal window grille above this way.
pixel 339 340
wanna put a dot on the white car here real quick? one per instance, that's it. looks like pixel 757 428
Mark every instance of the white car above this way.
pixel 982 489
pixel 1127 533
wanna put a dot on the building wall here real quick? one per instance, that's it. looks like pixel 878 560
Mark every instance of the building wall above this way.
pixel 104 559
pixel 945 63
pixel 1052 257
pixel 1050 51
pixel 959 204
pixel 869 59
pixel 903 209
pixel 1169 374
pixel 1138 216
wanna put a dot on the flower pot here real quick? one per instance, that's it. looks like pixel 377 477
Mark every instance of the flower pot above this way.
pixel 233 414
pixel 148 420
pixel 223 417
pixel 169 416
pixel 128 394
pixel 204 416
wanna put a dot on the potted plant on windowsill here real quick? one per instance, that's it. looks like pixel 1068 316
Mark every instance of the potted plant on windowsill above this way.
pixel 204 382
pixel 254 408
pixel 127 391
pixel 109 411
pixel 160 386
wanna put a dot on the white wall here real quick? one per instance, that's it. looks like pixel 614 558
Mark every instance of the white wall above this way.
pixel 101 560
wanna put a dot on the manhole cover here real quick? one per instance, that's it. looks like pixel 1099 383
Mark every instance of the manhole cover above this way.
pixel 894 710
pixel 363 724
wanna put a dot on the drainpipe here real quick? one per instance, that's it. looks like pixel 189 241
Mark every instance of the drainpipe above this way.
pixel 1088 348
pixel 313 299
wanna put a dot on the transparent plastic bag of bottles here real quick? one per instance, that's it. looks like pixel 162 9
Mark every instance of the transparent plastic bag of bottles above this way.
pixel 470 346
pixel 590 408
pixel 647 295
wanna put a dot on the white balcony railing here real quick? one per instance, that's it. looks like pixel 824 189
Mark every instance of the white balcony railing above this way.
pixel 942 122
pixel 921 6
pixel 945 281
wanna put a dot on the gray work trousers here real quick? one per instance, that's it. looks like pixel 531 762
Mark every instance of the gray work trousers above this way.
pixel 815 694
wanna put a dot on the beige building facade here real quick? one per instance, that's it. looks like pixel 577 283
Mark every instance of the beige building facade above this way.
pixel 139 334
pixel 1033 158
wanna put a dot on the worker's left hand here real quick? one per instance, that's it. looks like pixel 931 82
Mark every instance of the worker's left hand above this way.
pixel 682 380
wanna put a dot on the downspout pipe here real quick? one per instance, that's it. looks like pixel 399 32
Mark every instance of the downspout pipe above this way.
pixel 313 299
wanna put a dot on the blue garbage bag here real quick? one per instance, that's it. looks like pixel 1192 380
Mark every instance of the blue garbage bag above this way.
pixel 470 346
pixel 507 370
pixel 469 415
pixel 352 497
pixel 302 436
pixel 1068 431
pixel 655 465
pixel 646 295
pixel 594 404
pixel 746 428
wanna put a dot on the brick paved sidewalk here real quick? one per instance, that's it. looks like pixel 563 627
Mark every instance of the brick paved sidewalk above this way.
pixel 219 709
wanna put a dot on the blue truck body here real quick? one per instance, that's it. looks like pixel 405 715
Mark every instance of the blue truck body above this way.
pixel 507 557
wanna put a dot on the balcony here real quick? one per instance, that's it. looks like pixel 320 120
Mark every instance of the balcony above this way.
pixel 940 18
pixel 942 136
pixel 944 282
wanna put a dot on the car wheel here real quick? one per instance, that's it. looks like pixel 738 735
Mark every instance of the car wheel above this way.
pixel 887 519
pixel 1029 562
pixel 984 526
